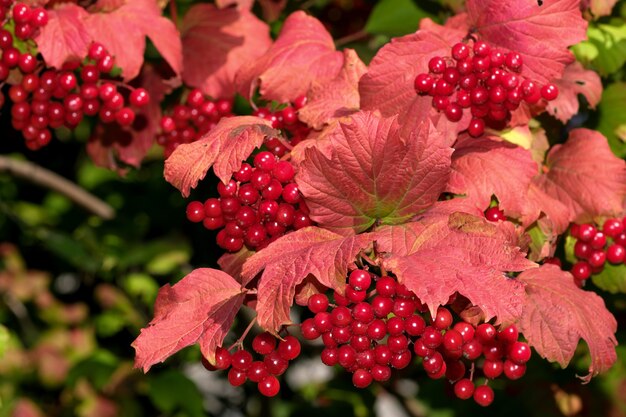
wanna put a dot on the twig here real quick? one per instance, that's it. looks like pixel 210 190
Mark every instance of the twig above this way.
pixel 46 178
pixel 361 34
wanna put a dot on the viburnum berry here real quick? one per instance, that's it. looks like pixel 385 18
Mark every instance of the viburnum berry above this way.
pixel 483 395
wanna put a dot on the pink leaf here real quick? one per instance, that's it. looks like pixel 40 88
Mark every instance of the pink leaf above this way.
pixel 576 80
pixel 484 166
pixel 123 32
pixel 557 314
pixel 540 34
pixel 598 8
pixel 388 86
pixel 440 255
pixel 289 260
pixel 232 263
pixel 224 147
pixel 216 43
pixel 373 174
pixel 586 176
pixel 336 98
pixel 201 306
pixel 65 37
pixel 303 53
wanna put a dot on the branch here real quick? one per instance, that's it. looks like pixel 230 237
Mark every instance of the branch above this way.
pixel 46 178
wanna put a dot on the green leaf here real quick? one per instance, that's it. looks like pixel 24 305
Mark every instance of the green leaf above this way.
pixel 612 278
pixel 4 340
pixel 97 368
pixel 609 42
pixel 109 323
pixel 612 118
pixel 538 240
pixel 69 249
pixel 167 262
pixel 570 241
pixel 142 286
pixel 395 18
pixel 172 391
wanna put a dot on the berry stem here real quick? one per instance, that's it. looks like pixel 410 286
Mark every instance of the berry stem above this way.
pixel 239 342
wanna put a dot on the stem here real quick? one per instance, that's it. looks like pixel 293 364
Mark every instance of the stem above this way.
pixel 21 313
pixel 46 178
pixel 351 38
pixel 239 341
pixel 174 12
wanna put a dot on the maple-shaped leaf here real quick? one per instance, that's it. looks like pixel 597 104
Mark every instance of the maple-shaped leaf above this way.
pixel 482 167
pixel 216 43
pixel 373 174
pixel 440 255
pixel 586 176
pixel 289 260
pixel 540 34
pixel 336 98
pixel 112 146
pixel 303 53
pixel 557 314
pixel 232 263
pixel 388 86
pixel 123 32
pixel 200 307
pixel 65 37
pixel 576 80
pixel 229 143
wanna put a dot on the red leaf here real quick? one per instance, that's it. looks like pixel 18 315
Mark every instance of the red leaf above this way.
pixel 388 85
pixel 576 80
pixel 373 174
pixel 123 32
pixel 540 34
pixel 289 260
pixel 557 314
pixel 484 166
pixel 303 53
pixel 584 175
pixel 65 37
pixel 224 147
pixel 201 306
pixel 242 4
pixel 440 255
pixel 232 263
pixel 336 98
pixel 111 144
pixel 216 43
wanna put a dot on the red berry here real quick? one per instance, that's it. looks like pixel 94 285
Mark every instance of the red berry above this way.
pixel 476 127
pixel 460 51
pixel 361 378
pixel 464 389
pixel 494 214
pixel 483 395
pixel 289 348
pixel 139 97
pixel 616 254
pixel 519 352
pixel 318 303
pixel 549 92
pixel 269 386
pixel 264 343
pixel 236 377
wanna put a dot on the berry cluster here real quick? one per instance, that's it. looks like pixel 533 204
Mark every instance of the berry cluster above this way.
pixel 286 119
pixel 189 121
pixel 369 333
pixel 274 362
pixel 256 207
pixel 27 20
pixel 487 81
pixel 595 246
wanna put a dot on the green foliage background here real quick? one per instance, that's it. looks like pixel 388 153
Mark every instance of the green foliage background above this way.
pixel 75 290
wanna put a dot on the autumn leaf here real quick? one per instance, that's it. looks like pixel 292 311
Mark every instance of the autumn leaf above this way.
pixel 576 80
pixel 216 43
pixel 289 260
pixel 373 174
pixel 123 32
pixel 304 52
pixel 557 314
pixel 65 37
pixel 232 263
pixel 336 98
pixel 482 167
pixel 440 255
pixel 200 307
pixel 584 175
pixel 388 86
pixel 540 34
pixel 598 8
pixel 223 148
